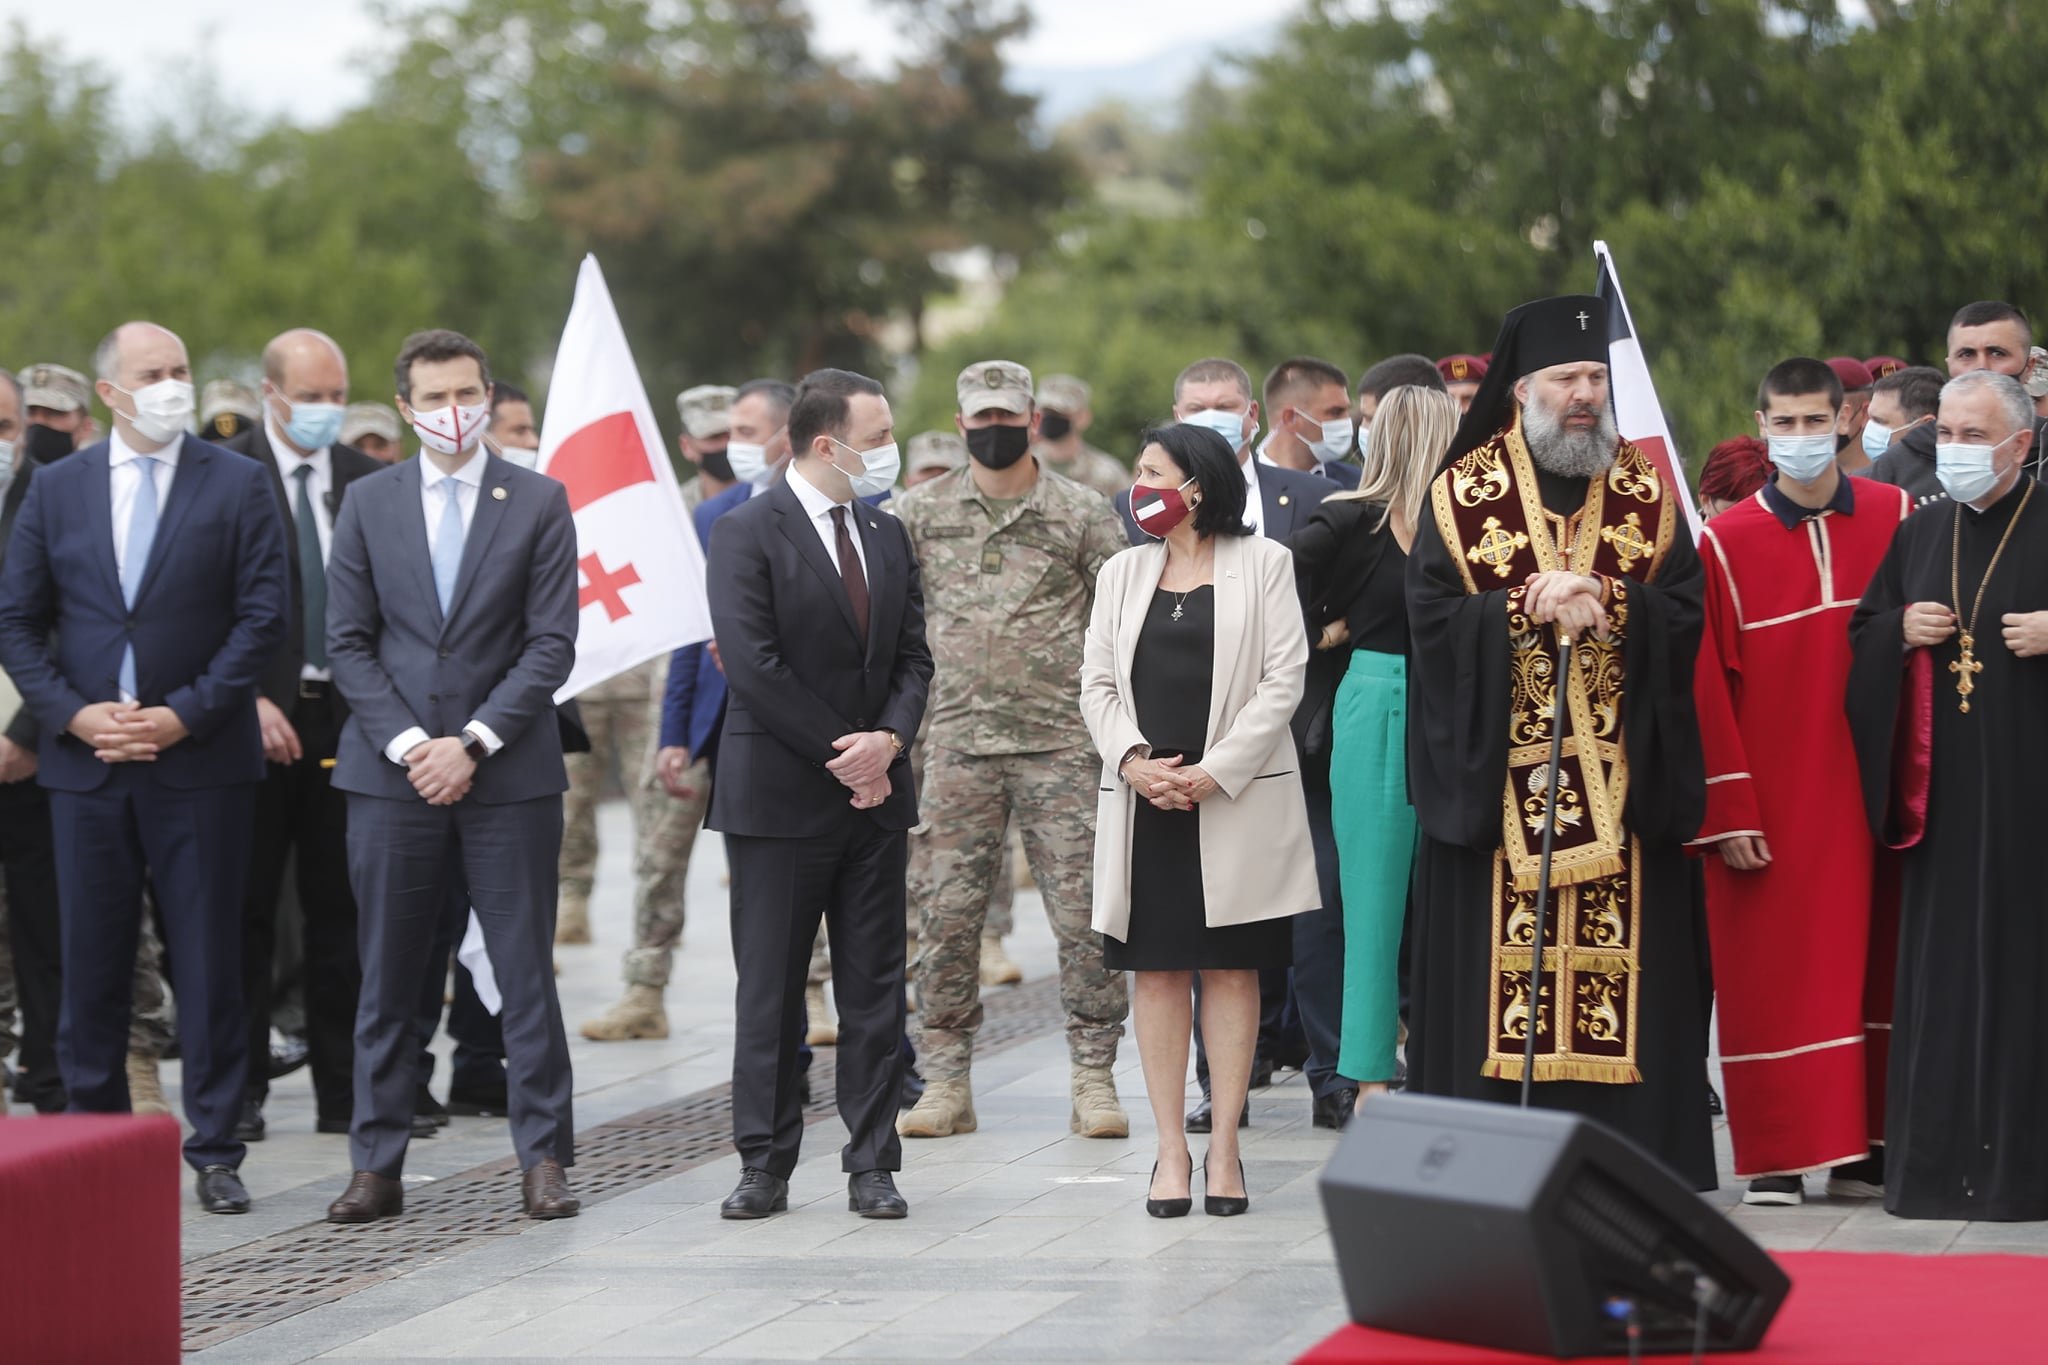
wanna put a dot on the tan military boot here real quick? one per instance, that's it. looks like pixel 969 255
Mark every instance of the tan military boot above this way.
pixel 1097 1113
pixel 996 967
pixel 145 1091
pixel 640 1015
pixel 946 1108
pixel 572 920
pixel 824 1029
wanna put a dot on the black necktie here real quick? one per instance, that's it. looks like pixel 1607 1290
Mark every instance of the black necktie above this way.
pixel 312 571
pixel 850 570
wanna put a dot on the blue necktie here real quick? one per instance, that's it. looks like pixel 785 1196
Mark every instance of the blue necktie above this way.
pixel 141 535
pixel 448 546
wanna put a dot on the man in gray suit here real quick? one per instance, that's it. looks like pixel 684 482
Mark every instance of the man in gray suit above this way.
pixel 451 621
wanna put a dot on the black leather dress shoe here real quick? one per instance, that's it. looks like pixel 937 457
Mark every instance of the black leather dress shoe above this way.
pixel 221 1191
pixel 1202 1118
pixel 756 1196
pixel 872 1194
pixel 1262 1072
pixel 477 1104
pixel 425 1106
pixel 288 1052
pixel 1334 1109
pixel 369 1196
pixel 249 1127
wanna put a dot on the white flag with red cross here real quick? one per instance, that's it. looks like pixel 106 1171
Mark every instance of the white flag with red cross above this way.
pixel 640 571
pixel 1636 409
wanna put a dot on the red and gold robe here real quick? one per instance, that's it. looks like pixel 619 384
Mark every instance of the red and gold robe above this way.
pixel 1801 1048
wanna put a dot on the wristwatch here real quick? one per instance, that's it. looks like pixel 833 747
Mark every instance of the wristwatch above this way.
pixel 473 745
pixel 895 739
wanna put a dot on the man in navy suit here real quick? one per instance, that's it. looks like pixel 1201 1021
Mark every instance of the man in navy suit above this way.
pixel 144 594
pixel 1309 404
pixel 820 625
pixel 1217 394
pixel 451 623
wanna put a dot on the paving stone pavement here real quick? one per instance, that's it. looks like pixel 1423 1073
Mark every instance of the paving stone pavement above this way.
pixel 1024 1243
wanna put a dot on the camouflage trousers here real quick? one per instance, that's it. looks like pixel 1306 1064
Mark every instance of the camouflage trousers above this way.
pixel 666 832
pixel 619 745
pixel 151 1024
pixel 954 865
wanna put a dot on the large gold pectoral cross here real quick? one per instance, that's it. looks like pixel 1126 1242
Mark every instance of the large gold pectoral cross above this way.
pixel 1966 670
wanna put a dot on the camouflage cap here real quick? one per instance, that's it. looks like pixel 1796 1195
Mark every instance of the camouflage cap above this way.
pixel 368 419
pixel 936 450
pixel 1064 393
pixel 706 410
pixel 227 395
pixel 990 384
pixel 54 387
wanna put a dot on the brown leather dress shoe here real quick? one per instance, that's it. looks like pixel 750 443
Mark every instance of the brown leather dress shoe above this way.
pixel 369 1196
pixel 545 1191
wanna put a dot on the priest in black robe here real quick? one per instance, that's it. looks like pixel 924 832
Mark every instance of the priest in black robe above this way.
pixel 1948 700
pixel 1542 520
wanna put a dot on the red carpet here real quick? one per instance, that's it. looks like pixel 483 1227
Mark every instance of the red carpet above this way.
pixel 89 1239
pixel 1845 1309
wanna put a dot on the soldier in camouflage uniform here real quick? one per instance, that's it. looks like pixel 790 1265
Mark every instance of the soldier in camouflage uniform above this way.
pixel 615 714
pixel 1063 402
pixel 153 1022
pixel 1010 553
pixel 706 414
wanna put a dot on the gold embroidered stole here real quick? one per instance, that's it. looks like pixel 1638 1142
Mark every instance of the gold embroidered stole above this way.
pixel 1489 509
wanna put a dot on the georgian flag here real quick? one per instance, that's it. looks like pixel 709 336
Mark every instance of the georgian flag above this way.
pixel 1636 409
pixel 641 572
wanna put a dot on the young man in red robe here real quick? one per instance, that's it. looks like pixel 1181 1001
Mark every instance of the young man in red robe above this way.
pixel 1790 871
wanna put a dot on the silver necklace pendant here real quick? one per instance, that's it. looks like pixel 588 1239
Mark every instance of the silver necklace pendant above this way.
pixel 1176 608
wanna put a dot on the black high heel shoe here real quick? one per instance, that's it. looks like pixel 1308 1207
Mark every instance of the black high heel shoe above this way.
pixel 1165 1208
pixel 1225 1205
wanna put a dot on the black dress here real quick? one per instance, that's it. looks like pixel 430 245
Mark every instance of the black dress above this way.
pixel 1171 677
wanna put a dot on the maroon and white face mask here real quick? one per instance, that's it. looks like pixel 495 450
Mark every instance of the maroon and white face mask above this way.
pixel 1158 510
pixel 451 430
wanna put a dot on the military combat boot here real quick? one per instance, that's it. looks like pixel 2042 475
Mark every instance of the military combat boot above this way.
pixel 572 920
pixel 1097 1113
pixel 145 1091
pixel 947 1108
pixel 640 1015
pixel 996 967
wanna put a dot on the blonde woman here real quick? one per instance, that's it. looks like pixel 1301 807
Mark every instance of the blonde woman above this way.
pixel 1351 558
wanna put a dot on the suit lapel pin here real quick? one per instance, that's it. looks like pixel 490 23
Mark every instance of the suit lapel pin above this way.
pixel 499 492
pixel 1283 499
pixel 874 526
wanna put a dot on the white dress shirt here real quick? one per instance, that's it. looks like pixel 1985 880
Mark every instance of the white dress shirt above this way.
pixel 818 506
pixel 468 484
pixel 320 484
pixel 126 481
pixel 1254 505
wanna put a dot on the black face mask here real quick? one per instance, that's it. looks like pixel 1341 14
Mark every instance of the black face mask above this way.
pixel 46 444
pixel 714 463
pixel 998 447
pixel 1054 426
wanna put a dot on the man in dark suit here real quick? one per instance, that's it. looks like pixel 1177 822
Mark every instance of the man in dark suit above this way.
pixel 305 390
pixel 1309 404
pixel 1217 394
pixel 144 592
pixel 819 619
pixel 29 923
pixel 451 622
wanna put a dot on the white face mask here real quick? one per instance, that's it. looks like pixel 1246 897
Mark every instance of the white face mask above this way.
pixel 162 409
pixel 878 468
pixel 749 461
pixel 452 430
pixel 525 459
pixel 1334 442
pixel 1803 458
pixel 1967 472
pixel 7 449
pixel 1228 425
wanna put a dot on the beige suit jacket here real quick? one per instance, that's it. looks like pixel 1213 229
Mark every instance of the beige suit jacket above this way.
pixel 1257 862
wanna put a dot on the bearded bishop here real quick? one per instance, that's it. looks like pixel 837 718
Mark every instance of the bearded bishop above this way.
pixel 1544 523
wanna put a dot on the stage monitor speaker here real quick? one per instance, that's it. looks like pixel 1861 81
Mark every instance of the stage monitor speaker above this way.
pixel 1531 1230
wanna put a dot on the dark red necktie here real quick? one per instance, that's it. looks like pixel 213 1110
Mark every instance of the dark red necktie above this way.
pixel 850 570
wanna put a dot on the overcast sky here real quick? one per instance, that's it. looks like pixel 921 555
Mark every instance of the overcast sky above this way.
pixel 305 58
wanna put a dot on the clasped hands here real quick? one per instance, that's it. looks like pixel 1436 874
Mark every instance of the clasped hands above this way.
pixel 863 766
pixel 127 731
pixel 1571 600
pixel 1928 624
pixel 1168 785
pixel 440 770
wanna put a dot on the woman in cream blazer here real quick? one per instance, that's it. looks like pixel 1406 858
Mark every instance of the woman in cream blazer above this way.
pixel 1193 668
